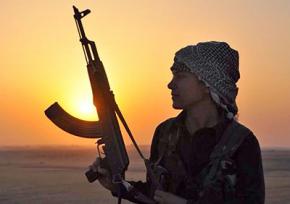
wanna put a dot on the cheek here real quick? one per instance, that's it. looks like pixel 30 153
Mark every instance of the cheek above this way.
pixel 193 93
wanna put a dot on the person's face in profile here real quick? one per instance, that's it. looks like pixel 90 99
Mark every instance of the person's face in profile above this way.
pixel 187 90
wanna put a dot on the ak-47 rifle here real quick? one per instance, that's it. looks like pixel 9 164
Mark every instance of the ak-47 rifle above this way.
pixel 107 129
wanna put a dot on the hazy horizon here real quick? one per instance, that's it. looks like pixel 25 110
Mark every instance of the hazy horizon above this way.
pixel 143 147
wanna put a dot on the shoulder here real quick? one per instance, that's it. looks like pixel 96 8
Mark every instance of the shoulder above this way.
pixel 250 140
pixel 166 123
pixel 249 149
pixel 250 146
pixel 241 128
pixel 162 128
pixel 250 169
pixel 160 131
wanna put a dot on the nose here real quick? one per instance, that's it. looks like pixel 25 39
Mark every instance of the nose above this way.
pixel 171 85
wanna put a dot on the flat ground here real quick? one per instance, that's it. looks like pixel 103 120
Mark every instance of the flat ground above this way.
pixel 56 175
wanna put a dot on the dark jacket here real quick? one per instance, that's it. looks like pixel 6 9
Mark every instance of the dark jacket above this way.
pixel 193 152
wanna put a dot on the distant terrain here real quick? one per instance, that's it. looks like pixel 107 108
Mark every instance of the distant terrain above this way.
pixel 56 175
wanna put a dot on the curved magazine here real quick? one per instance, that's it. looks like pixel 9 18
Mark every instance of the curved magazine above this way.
pixel 71 124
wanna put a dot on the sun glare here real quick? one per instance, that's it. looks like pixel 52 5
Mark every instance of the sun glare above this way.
pixel 82 108
pixel 86 108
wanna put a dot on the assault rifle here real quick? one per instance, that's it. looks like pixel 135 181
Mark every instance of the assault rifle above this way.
pixel 107 129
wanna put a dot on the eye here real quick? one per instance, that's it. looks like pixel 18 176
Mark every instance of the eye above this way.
pixel 178 75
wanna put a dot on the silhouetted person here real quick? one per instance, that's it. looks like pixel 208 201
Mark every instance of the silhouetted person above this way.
pixel 208 156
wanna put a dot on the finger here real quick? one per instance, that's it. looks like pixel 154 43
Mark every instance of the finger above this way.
pixel 158 199
pixel 93 168
pixel 95 165
pixel 159 193
pixel 97 161
pixel 102 171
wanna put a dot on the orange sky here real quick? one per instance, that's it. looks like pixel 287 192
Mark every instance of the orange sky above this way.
pixel 42 62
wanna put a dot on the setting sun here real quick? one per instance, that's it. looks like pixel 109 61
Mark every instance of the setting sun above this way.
pixel 81 106
pixel 86 108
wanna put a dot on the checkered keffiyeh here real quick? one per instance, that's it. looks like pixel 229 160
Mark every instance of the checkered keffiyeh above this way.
pixel 217 65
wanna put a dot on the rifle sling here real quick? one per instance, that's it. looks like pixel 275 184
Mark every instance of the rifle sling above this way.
pixel 128 131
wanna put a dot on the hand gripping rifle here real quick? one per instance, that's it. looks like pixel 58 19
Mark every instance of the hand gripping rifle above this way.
pixel 107 129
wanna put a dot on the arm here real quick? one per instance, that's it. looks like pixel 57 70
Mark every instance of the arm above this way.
pixel 140 186
pixel 250 177
pixel 144 187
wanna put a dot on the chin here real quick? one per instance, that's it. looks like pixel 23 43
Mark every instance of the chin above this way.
pixel 177 107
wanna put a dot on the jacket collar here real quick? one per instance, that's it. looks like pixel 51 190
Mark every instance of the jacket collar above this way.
pixel 218 128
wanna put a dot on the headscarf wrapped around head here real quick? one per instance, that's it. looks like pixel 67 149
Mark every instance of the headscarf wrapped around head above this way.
pixel 217 65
